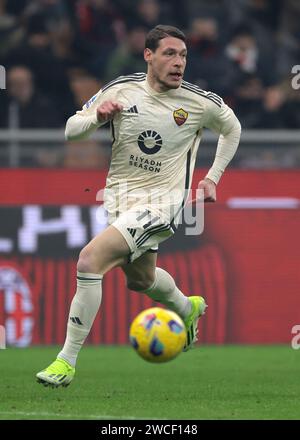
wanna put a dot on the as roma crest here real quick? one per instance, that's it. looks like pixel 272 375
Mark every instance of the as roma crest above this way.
pixel 180 116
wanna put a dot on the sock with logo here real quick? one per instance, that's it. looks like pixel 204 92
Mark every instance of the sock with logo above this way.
pixel 83 310
pixel 165 291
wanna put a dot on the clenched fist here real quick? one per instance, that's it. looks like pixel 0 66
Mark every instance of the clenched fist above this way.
pixel 209 189
pixel 107 110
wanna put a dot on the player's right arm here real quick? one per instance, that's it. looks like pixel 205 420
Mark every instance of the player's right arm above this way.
pixel 101 108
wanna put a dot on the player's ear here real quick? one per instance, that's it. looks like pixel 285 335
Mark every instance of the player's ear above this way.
pixel 147 55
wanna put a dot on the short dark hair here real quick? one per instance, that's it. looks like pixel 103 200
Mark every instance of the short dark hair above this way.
pixel 162 31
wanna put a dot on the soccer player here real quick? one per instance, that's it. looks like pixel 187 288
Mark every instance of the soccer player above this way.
pixel 156 124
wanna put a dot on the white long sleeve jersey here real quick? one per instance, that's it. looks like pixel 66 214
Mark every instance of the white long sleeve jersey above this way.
pixel 155 138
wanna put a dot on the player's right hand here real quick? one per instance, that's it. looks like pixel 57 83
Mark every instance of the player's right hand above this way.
pixel 107 110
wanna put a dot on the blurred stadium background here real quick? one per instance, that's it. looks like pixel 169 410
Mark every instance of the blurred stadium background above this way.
pixel 57 54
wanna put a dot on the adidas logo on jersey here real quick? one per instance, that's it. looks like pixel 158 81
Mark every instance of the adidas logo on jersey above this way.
pixel 132 109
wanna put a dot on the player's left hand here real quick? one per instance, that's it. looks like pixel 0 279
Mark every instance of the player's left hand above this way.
pixel 209 189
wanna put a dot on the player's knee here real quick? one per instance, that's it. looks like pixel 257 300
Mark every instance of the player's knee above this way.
pixel 86 262
pixel 140 284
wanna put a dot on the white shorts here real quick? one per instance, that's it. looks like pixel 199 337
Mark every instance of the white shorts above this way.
pixel 143 230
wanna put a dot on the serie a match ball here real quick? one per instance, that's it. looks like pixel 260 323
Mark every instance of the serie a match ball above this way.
pixel 157 335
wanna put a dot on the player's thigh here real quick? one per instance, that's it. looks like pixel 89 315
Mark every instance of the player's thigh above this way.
pixel 105 251
pixel 140 274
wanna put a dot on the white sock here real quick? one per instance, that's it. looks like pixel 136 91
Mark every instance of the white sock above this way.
pixel 165 291
pixel 83 310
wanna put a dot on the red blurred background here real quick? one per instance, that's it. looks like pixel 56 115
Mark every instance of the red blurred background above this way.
pixel 246 262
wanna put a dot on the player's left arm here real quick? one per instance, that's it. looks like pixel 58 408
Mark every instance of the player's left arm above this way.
pixel 222 120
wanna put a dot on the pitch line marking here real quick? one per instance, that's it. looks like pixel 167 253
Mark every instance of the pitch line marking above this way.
pixel 72 416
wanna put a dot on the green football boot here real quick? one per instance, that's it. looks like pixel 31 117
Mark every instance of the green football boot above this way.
pixel 191 321
pixel 59 373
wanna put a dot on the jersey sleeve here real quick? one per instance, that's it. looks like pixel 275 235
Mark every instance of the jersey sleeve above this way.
pixel 85 122
pixel 221 119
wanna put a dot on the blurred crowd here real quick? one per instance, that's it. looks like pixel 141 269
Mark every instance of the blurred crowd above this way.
pixel 58 53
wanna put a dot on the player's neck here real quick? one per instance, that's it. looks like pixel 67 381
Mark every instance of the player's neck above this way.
pixel 155 85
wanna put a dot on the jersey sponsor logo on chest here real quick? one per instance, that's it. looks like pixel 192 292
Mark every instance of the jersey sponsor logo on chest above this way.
pixel 180 116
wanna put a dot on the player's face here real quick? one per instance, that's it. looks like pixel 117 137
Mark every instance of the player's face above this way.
pixel 167 64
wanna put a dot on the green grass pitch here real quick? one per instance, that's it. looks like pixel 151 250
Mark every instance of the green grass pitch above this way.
pixel 210 382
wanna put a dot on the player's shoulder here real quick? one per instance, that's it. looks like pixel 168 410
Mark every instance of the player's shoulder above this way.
pixel 197 93
pixel 125 80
